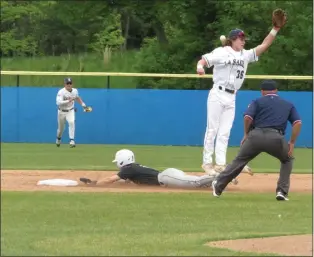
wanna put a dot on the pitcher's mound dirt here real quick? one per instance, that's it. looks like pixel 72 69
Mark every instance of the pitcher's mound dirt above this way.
pixel 299 245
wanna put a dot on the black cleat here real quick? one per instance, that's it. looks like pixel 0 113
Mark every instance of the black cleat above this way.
pixel 281 197
pixel 216 193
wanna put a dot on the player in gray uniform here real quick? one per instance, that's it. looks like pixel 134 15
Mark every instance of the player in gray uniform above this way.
pixel 139 174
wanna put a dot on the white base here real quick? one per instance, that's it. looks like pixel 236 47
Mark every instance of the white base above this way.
pixel 57 182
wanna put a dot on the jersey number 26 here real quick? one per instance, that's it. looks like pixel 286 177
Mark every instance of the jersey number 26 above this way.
pixel 240 74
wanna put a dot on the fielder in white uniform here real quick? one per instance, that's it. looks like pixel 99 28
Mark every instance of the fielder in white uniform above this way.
pixel 230 64
pixel 66 112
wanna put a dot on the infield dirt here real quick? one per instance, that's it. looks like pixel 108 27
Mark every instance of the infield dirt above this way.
pixel 301 245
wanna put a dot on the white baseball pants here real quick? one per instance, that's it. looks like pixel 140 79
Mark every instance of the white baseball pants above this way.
pixel 70 118
pixel 220 117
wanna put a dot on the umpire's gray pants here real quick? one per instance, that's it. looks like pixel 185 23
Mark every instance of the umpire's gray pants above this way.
pixel 177 178
pixel 260 140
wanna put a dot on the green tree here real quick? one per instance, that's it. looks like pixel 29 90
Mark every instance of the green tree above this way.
pixel 19 20
pixel 185 28
pixel 170 35
pixel 188 27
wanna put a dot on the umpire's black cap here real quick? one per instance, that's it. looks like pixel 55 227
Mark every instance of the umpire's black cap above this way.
pixel 268 85
pixel 67 81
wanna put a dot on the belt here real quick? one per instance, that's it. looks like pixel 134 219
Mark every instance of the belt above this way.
pixel 272 129
pixel 66 110
pixel 227 90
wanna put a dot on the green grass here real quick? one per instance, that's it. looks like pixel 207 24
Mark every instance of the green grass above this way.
pixel 46 223
pixel 99 157
pixel 120 62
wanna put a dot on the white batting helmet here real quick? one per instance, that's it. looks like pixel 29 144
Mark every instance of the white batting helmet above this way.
pixel 124 157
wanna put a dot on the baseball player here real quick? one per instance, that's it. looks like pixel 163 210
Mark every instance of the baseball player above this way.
pixel 265 122
pixel 230 64
pixel 130 171
pixel 66 112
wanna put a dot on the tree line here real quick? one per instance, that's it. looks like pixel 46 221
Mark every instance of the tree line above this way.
pixel 169 36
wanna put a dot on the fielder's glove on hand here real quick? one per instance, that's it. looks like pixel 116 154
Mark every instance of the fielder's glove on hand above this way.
pixel 279 18
pixel 87 109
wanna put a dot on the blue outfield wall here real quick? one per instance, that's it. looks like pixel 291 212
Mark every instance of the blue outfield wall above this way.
pixel 130 116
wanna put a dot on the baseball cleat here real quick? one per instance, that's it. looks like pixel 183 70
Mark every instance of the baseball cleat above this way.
pixel 58 142
pixel 235 181
pixel 219 168
pixel 209 169
pixel 215 192
pixel 72 143
pixel 281 197
pixel 248 170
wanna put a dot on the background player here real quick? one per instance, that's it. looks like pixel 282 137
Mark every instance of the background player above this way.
pixel 65 102
pixel 230 64
pixel 139 174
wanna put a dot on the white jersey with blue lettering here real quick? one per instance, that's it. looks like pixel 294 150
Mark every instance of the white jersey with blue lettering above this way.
pixel 63 97
pixel 229 71
pixel 229 66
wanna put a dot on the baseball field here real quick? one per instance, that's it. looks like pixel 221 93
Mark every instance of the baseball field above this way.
pixel 126 219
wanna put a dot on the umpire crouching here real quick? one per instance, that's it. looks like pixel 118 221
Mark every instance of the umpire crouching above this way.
pixel 265 122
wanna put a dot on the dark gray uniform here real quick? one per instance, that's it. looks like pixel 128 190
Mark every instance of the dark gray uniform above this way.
pixel 270 114
pixel 170 177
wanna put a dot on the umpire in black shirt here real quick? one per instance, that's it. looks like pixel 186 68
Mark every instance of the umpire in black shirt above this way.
pixel 265 122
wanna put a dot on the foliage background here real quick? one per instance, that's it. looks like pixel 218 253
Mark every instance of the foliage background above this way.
pixel 155 36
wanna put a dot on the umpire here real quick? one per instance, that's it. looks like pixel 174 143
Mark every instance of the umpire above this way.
pixel 265 122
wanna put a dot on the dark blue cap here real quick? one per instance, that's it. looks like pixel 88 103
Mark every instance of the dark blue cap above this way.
pixel 67 80
pixel 235 33
pixel 268 85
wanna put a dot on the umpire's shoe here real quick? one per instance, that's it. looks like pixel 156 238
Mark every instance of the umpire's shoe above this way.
pixel 281 197
pixel 216 192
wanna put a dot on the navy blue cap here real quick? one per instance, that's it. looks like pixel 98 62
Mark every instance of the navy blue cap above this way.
pixel 268 85
pixel 67 80
pixel 235 33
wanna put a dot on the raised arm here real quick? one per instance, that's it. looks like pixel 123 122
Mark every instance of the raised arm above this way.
pixel 279 20
pixel 267 41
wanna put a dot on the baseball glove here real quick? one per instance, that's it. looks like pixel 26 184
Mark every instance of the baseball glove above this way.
pixel 279 18
pixel 88 109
